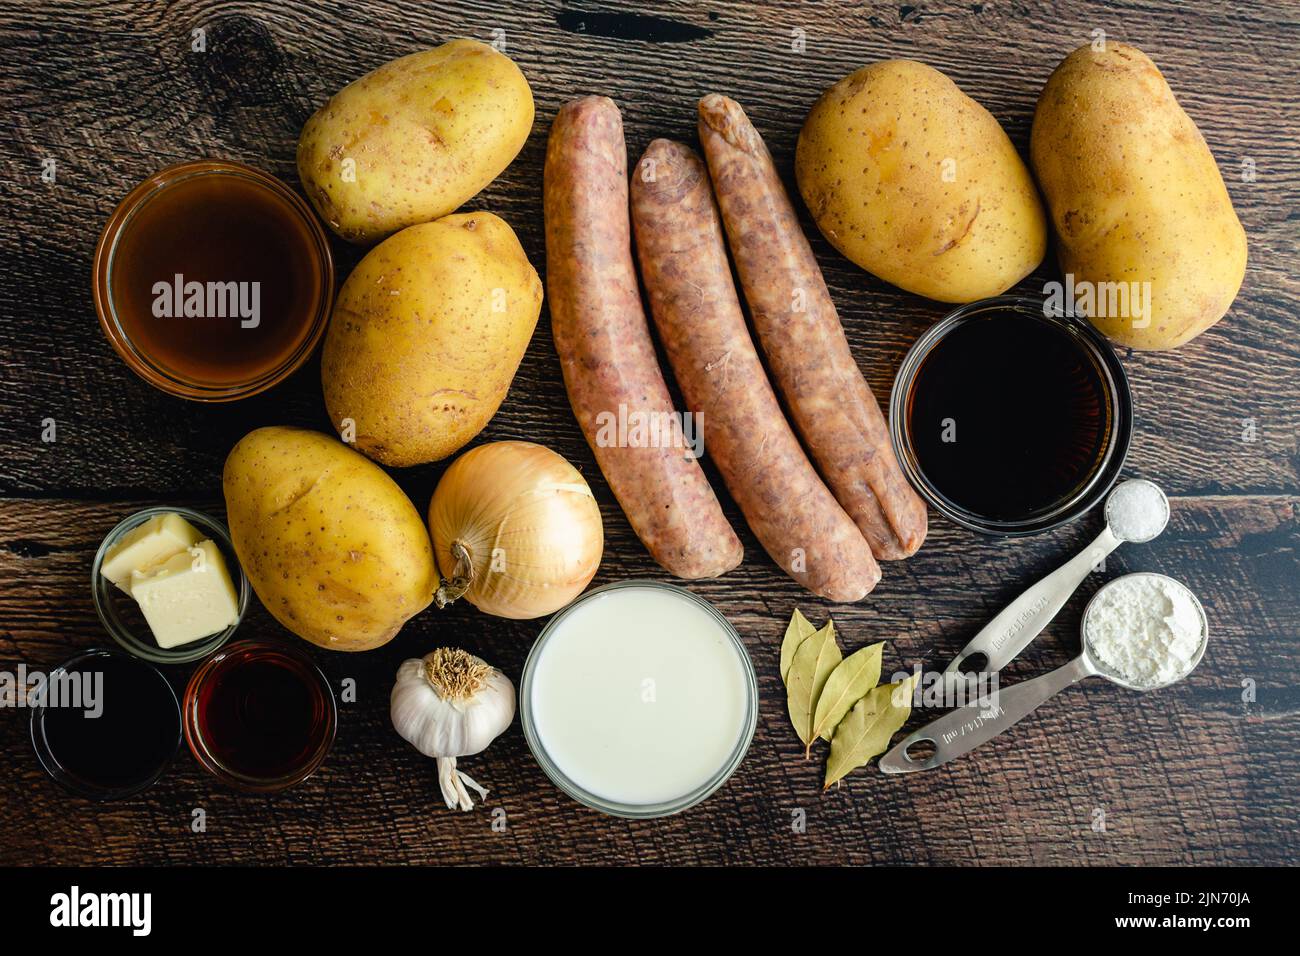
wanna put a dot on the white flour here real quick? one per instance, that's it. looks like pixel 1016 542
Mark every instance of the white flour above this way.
pixel 1137 511
pixel 1146 629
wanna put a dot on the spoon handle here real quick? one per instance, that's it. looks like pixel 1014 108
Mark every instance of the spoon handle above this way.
pixel 962 730
pixel 1024 618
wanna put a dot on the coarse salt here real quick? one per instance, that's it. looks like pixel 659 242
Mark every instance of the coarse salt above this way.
pixel 1137 510
pixel 1146 629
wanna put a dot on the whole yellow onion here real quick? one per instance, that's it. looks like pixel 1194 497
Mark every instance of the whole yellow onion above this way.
pixel 516 530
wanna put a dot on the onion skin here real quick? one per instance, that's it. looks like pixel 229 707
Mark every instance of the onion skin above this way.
pixel 528 524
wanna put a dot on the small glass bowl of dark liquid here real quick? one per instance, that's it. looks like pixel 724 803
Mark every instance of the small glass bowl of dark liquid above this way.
pixel 213 280
pixel 106 725
pixel 259 716
pixel 1009 420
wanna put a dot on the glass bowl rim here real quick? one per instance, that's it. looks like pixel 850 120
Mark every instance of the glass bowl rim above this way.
pixel 102 281
pixel 1115 381
pixel 56 772
pixel 194 739
pixel 648 810
pixel 102 596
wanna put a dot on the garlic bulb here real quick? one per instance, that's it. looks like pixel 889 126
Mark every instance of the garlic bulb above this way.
pixel 451 704
pixel 516 530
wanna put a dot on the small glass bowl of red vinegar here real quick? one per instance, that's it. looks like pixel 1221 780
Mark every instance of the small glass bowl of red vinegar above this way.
pixel 259 716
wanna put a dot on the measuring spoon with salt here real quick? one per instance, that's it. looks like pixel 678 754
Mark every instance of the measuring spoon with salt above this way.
pixel 1136 511
pixel 962 730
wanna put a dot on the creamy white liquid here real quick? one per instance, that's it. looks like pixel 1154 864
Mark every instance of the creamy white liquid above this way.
pixel 639 696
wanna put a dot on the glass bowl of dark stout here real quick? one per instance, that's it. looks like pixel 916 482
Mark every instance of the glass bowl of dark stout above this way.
pixel 213 280
pixel 259 716
pixel 106 725
pixel 1010 420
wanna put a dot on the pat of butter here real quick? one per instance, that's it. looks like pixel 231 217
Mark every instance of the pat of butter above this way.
pixel 148 546
pixel 187 597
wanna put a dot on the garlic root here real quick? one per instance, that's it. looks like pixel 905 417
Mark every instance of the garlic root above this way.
pixel 453 783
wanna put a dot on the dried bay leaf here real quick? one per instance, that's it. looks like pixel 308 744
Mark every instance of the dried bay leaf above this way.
pixel 813 662
pixel 800 630
pixel 867 729
pixel 849 683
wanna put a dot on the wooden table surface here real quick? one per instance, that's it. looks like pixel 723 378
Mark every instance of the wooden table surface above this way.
pixel 1205 772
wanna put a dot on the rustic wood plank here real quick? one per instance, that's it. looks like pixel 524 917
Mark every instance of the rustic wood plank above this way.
pixel 111 92
pixel 1188 775
pixel 267 68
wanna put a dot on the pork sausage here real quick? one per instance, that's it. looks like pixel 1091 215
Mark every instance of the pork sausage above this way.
pixel 800 332
pixel 684 266
pixel 610 368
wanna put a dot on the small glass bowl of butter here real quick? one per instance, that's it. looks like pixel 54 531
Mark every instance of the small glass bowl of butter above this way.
pixel 167 585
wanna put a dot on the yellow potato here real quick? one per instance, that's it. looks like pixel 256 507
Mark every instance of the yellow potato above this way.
pixel 1144 224
pixel 426 336
pixel 917 183
pixel 334 549
pixel 415 139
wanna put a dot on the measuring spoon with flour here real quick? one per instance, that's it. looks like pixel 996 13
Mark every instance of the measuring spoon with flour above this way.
pixel 1141 631
pixel 1136 511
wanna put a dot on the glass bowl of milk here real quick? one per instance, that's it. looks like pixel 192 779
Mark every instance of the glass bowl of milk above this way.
pixel 639 699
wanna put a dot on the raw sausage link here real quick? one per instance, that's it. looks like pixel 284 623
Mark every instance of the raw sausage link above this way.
pixel 610 368
pixel 829 400
pixel 683 259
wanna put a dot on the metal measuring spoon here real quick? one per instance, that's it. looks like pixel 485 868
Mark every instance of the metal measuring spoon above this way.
pixel 1024 618
pixel 962 730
